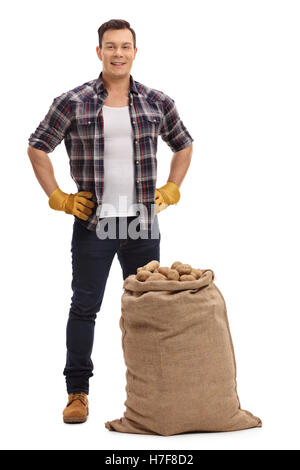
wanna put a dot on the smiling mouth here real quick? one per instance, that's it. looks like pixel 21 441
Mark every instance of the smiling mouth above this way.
pixel 117 65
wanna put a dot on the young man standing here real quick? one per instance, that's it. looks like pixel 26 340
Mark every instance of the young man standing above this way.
pixel 110 127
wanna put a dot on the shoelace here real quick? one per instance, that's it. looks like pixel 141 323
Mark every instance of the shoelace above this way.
pixel 77 396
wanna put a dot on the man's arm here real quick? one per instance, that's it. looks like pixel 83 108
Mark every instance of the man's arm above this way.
pixel 76 204
pixel 50 132
pixel 47 136
pixel 180 164
pixel 176 135
pixel 43 169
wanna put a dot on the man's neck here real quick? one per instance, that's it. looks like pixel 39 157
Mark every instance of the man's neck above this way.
pixel 116 87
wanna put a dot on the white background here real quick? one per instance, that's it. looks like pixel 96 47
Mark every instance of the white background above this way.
pixel 232 68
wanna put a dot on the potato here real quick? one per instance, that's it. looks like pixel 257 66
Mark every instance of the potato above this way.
pixel 176 263
pixel 197 273
pixel 164 270
pixel 151 265
pixel 184 269
pixel 156 277
pixel 187 277
pixel 173 275
pixel 192 273
pixel 140 269
pixel 143 275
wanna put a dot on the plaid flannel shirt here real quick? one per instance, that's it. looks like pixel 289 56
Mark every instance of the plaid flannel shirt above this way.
pixel 76 117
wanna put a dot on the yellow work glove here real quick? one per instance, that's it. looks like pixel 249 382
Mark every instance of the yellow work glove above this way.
pixel 76 204
pixel 166 195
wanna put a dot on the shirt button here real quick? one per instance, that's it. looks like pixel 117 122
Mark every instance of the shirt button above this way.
pixel 137 181
pixel 137 162
pixel 133 122
pixel 89 122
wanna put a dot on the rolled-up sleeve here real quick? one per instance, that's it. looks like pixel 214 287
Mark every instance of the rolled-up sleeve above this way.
pixel 172 130
pixel 54 127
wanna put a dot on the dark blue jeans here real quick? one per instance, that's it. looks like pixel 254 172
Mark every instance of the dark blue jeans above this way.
pixel 91 261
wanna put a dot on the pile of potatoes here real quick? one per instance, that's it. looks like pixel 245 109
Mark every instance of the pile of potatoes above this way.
pixel 152 271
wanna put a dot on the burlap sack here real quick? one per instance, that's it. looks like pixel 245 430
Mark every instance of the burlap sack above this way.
pixel 181 371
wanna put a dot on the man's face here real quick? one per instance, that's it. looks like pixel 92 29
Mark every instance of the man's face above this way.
pixel 117 46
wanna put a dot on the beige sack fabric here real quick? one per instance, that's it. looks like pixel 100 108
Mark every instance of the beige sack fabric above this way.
pixel 181 371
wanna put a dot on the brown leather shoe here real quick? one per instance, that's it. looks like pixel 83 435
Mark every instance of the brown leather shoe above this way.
pixel 77 408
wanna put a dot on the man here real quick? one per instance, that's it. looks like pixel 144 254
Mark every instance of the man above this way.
pixel 110 127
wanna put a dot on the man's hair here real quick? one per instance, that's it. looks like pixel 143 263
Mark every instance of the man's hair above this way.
pixel 115 24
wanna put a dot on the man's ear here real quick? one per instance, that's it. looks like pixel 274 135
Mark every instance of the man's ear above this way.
pixel 98 52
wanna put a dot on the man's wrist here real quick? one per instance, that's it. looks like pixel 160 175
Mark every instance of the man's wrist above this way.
pixel 170 192
pixel 57 199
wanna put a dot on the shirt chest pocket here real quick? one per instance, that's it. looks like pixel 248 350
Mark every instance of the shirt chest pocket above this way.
pixel 86 127
pixel 149 125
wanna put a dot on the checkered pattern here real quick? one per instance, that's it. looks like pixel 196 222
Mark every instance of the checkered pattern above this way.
pixel 76 117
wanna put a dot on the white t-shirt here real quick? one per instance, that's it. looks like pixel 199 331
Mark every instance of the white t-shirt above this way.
pixel 119 187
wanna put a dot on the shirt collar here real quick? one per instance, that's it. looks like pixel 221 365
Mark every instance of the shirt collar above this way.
pixel 100 88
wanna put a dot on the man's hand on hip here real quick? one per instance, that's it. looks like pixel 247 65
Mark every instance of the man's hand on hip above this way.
pixel 76 204
pixel 166 195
